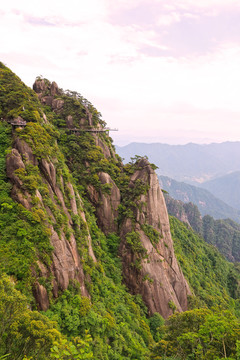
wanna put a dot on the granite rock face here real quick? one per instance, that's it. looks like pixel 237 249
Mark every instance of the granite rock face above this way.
pixel 156 275
pixel 106 203
pixel 47 92
pixel 66 263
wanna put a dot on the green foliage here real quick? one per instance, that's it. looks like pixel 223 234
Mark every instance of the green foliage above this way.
pixel 23 331
pixel 41 139
pixel 114 320
pixel 112 317
pixel 151 233
pixel 156 323
pixel 209 274
pixel 86 160
pixel 172 306
pixel 133 240
pixel 136 158
pixel 79 349
pixel 29 177
pixel 23 234
pixel 199 334
pixel 224 234
pixel 16 99
pixel 131 191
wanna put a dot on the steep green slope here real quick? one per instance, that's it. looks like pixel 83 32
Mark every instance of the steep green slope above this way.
pixel 213 279
pixel 49 209
pixel 116 323
pixel 207 331
pixel 24 234
pixel 223 234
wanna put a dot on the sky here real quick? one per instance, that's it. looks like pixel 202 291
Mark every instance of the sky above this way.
pixel 158 70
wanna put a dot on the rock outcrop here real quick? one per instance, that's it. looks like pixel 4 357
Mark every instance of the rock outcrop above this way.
pixel 149 269
pixel 66 263
pixel 154 273
pixel 106 203
pixel 176 208
pixel 46 92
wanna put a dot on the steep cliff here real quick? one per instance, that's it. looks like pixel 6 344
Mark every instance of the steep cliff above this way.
pixel 42 184
pixel 185 212
pixel 76 225
pixel 160 281
pixel 150 266
pixel 42 189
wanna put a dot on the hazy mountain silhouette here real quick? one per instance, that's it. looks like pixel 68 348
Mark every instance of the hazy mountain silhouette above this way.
pixel 192 163
pixel 226 188
pixel 207 203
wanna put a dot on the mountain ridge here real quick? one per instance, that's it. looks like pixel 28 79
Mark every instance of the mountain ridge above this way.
pixel 224 234
pixel 63 192
pixel 226 188
pixel 192 163
pixel 207 203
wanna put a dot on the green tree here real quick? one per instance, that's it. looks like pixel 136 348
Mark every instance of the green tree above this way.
pixel 78 349
pixel 23 331
pixel 200 334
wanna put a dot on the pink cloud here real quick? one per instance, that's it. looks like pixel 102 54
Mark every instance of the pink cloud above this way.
pixel 39 21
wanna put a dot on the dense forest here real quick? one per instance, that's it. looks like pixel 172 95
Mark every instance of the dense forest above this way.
pixel 88 268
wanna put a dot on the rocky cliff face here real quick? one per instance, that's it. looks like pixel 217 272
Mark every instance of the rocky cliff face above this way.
pixel 153 272
pixel 106 204
pixel 127 202
pixel 176 209
pixel 66 263
pixel 185 212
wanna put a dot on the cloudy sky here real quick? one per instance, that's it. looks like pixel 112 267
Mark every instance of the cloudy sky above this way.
pixel 158 70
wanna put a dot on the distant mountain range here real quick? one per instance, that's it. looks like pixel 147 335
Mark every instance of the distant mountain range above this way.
pixel 223 234
pixel 192 163
pixel 207 203
pixel 226 188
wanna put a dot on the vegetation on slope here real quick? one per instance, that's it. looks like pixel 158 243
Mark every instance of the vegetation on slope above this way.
pixel 199 334
pixel 112 325
pixel 23 234
pixel 208 330
pixel 223 234
pixel 214 280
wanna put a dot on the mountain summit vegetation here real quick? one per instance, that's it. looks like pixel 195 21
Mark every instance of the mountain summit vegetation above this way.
pixel 89 266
